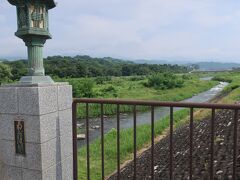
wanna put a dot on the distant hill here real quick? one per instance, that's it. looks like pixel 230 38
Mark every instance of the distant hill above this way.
pixel 216 66
pixel 144 61
pixel 203 66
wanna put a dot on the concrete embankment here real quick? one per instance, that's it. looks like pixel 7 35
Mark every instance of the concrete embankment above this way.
pixel 223 159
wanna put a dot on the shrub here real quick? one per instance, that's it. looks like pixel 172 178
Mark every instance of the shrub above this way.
pixel 110 90
pixel 101 80
pixel 83 88
pixel 137 78
pixel 186 77
pixel 164 81
pixel 223 79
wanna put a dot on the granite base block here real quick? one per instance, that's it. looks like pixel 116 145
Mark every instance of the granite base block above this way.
pixel 46 112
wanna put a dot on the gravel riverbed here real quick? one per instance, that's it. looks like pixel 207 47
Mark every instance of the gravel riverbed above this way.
pixel 201 153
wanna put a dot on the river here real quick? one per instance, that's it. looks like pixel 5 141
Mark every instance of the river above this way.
pixel 126 120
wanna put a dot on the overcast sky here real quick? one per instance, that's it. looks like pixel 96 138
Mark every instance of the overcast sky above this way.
pixel 135 29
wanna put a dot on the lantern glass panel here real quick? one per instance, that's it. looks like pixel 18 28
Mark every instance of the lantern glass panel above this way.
pixel 37 16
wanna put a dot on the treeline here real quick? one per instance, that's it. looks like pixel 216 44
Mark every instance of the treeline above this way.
pixel 86 66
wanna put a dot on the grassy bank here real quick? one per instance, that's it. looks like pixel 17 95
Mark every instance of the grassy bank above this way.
pixel 232 97
pixel 130 88
pixel 232 77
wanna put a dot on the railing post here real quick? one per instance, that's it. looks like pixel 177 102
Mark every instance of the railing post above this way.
pixel 74 131
pixel 102 141
pixel 87 138
pixel 152 142
pixel 135 142
pixel 212 145
pixel 171 145
pixel 118 141
pixel 191 144
pixel 235 143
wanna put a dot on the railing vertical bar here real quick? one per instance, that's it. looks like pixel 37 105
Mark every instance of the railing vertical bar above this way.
pixel 135 141
pixel 118 142
pixel 191 144
pixel 87 138
pixel 171 144
pixel 235 150
pixel 212 144
pixel 102 141
pixel 152 142
pixel 74 131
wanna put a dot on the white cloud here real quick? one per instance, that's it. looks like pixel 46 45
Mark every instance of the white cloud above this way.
pixel 2 18
pixel 137 29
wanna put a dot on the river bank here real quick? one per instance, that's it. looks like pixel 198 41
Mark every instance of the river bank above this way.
pixel 142 117
pixel 129 88
pixel 126 141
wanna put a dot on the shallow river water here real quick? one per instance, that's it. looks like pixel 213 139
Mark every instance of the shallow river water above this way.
pixel 126 120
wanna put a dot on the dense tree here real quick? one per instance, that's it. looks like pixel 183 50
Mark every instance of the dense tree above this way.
pixel 85 66
pixel 5 73
pixel 127 70
pixel 18 68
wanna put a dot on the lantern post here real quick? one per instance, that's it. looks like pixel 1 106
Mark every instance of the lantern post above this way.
pixel 36 114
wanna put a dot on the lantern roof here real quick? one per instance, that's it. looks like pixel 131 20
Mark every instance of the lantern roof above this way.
pixel 50 3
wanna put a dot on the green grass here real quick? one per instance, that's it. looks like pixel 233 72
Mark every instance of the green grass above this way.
pixel 126 146
pixel 232 96
pixel 127 89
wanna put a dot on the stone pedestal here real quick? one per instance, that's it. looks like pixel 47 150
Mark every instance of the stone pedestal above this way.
pixel 47 114
pixel 36 79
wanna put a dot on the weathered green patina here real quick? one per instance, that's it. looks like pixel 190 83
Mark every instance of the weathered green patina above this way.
pixel 33 29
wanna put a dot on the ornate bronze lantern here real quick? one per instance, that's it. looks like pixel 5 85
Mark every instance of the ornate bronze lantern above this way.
pixel 33 29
